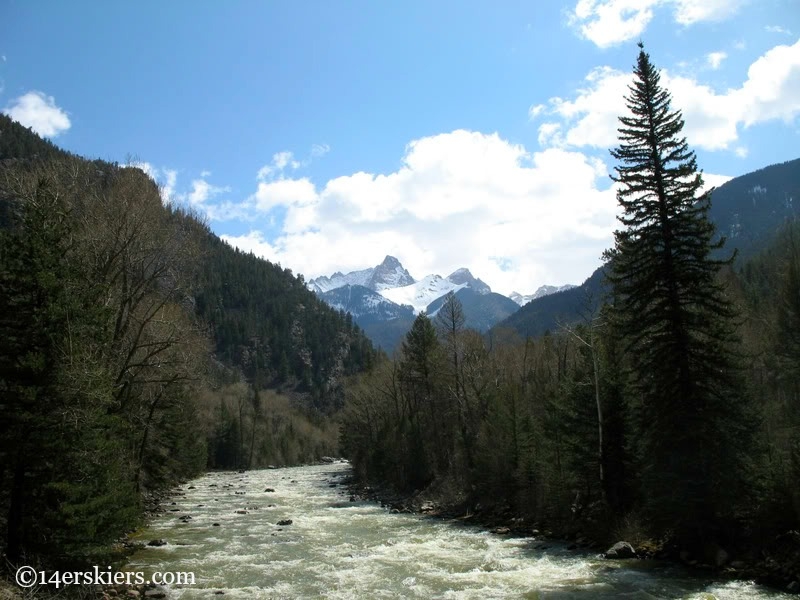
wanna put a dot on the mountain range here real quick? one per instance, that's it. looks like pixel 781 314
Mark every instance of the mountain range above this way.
pixel 384 300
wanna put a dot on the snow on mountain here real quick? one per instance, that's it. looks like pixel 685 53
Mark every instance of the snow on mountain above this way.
pixel 364 303
pixel 544 290
pixel 390 273
pixel 395 283
pixel 463 276
pixel 323 284
pixel 423 292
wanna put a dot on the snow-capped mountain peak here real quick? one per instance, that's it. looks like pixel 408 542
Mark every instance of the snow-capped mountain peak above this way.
pixel 389 274
pixel 544 290
pixel 463 276
pixel 395 283
pixel 323 284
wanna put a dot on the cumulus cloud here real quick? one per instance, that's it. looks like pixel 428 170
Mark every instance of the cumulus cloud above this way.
pixel 689 12
pixel 280 162
pixel 39 112
pixel 202 191
pixel 778 29
pixel 462 198
pixel 283 192
pixel 318 150
pixel 204 197
pixel 713 119
pixel 714 59
pixel 610 22
pixel 284 162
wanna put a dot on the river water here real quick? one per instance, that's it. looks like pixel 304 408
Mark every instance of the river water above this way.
pixel 335 548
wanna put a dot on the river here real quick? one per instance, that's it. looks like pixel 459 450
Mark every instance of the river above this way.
pixel 335 548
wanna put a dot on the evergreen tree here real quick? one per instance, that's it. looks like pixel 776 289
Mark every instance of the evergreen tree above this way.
pixel 676 320
pixel 419 365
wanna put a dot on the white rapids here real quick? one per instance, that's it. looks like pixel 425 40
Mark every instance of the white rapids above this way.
pixel 335 548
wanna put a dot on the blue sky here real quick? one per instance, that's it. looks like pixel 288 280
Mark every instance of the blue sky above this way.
pixel 326 134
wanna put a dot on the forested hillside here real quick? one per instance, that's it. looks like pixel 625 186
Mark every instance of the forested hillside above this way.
pixel 549 312
pixel 268 324
pixel 137 349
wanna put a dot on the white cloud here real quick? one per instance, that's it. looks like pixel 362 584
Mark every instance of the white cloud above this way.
pixel 39 112
pixel 610 22
pixel 202 191
pixel 283 192
pixel 714 59
pixel 459 199
pixel 536 110
pixel 280 162
pixel 253 242
pixel 167 187
pixel 772 89
pixel 284 159
pixel 713 119
pixel 777 29
pixel 689 12
pixel 711 180
pixel 318 150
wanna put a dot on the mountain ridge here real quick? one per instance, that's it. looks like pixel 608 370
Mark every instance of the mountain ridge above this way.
pixel 383 300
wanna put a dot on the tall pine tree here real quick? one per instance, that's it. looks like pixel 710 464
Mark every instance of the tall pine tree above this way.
pixel 677 324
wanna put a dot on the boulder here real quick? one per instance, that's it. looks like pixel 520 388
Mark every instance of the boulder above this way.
pixel 501 530
pixel 285 522
pixel 620 550
pixel 156 543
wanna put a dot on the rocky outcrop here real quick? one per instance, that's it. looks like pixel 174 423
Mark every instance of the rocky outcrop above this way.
pixel 620 550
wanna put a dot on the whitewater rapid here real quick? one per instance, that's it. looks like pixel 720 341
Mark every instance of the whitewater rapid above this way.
pixel 335 548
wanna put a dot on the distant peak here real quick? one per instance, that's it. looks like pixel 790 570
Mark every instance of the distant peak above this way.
pixel 463 276
pixel 389 274
pixel 390 261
